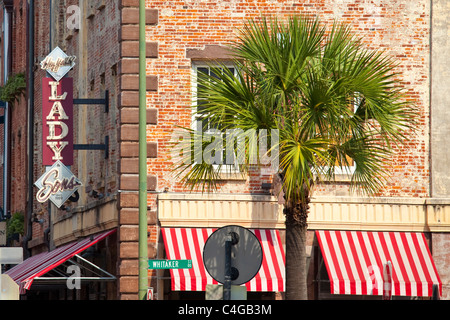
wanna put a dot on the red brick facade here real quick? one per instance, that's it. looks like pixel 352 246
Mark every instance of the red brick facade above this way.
pixel 400 28
pixel 18 116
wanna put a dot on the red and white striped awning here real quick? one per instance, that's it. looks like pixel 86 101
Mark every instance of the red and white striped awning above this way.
pixel 355 261
pixel 25 273
pixel 188 244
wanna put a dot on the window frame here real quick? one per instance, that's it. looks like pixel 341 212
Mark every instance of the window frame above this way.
pixel 196 65
pixel 344 173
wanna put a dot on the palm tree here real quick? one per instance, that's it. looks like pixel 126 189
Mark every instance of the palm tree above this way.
pixel 332 102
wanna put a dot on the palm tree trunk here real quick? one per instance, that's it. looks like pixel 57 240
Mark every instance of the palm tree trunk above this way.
pixel 296 228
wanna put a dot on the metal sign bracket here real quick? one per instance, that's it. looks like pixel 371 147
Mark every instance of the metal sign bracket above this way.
pixel 104 101
pixel 104 147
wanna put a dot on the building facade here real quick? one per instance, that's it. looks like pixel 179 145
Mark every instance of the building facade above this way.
pixel 31 30
pixel 192 34
pixel 182 37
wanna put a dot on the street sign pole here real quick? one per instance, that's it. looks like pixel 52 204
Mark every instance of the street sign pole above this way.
pixel 143 245
pixel 227 284
pixel 231 240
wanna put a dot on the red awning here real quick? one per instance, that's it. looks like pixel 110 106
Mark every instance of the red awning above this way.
pixel 187 244
pixel 355 262
pixel 25 273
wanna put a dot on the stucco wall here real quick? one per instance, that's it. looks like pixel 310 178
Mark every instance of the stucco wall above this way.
pixel 440 99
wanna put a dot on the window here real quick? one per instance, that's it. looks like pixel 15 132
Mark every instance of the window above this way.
pixel 350 169
pixel 200 123
pixel 343 173
pixel 201 114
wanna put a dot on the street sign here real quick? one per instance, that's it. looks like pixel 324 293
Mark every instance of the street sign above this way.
pixel 232 256
pixel 169 264
pixel 246 255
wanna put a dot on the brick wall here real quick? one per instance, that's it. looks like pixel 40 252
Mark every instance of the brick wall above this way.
pixel 95 43
pixel 19 111
pixel 129 147
pixel 189 31
pixel 18 134
pixel 41 49
pixel 399 27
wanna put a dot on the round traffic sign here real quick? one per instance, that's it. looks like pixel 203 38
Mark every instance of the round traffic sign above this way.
pixel 246 254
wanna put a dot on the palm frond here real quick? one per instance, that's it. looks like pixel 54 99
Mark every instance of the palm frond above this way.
pixel 334 102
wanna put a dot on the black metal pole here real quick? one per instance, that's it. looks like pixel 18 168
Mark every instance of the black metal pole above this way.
pixel 436 295
pixel 30 126
pixel 231 273
pixel 227 284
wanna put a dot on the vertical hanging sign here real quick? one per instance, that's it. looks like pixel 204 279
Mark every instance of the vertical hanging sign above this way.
pixel 57 114
pixel 58 183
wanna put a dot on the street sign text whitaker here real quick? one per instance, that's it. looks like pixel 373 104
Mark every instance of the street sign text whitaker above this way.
pixel 170 264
